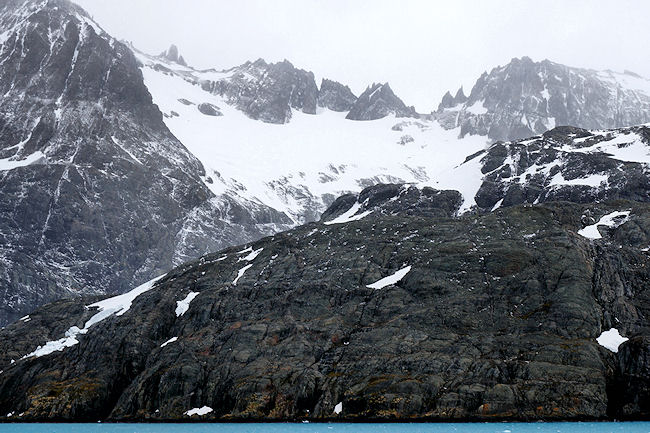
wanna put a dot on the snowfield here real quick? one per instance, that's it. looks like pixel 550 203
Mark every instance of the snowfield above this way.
pixel 299 167
pixel 308 161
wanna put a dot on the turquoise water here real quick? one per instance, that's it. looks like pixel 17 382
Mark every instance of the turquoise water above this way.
pixel 578 427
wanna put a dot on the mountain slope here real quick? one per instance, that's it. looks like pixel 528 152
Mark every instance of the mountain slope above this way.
pixel 96 193
pixel 300 167
pixel 390 316
pixel 526 98
pixel 564 163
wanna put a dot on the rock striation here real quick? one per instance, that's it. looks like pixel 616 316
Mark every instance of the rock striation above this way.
pixel 390 316
pixel 96 195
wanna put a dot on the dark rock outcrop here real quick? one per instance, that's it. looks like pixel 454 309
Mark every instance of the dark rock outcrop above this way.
pixel 267 91
pixel 566 163
pixel 209 109
pixel 335 96
pixel 393 199
pixel 495 319
pixel 526 98
pixel 379 101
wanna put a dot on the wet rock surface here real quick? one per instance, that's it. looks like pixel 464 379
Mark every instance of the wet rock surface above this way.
pixel 496 319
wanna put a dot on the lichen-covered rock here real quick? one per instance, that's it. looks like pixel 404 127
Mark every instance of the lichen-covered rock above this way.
pixel 493 317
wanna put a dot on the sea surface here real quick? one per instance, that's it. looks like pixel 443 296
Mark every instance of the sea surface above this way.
pixel 537 427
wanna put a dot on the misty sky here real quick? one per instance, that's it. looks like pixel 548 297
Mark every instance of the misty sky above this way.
pixel 422 48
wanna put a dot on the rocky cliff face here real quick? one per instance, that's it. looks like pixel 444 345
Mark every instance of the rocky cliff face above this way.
pixel 335 96
pixel 564 163
pixel 96 193
pixel 379 101
pixel 372 314
pixel 526 98
pixel 264 91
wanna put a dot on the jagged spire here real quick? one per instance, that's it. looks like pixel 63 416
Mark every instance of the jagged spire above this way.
pixel 173 55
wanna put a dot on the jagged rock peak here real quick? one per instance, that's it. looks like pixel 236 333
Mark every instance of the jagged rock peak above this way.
pixel 379 101
pixel 526 98
pixel 172 54
pixel 335 96
pixel 446 102
pixel 460 97
pixel 449 101
pixel 267 91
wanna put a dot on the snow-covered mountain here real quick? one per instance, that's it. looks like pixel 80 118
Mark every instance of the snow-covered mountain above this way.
pixel 116 165
pixel 525 98
pixel 300 162
pixel 95 193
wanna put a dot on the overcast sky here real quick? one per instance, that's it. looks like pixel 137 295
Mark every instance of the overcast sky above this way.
pixel 422 48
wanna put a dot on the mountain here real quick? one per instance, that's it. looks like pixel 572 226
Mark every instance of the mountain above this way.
pixel 264 91
pixel 298 167
pixel 116 165
pixel 565 163
pixel 379 101
pixel 96 193
pixel 335 96
pixel 399 311
pixel 526 98
pixel 171 55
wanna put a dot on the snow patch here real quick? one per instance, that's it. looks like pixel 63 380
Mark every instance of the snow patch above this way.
pixel 611 339
pixel 240 274
pixel 390 280
pixel 338 408
pixel 199 411
pixel 117 305
pixel 349 215
pixel 171 340
pixel 253 254
pixel 12 163
pixel 612 220
pixel 477 108
pixel 593 180
pixel 184 305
